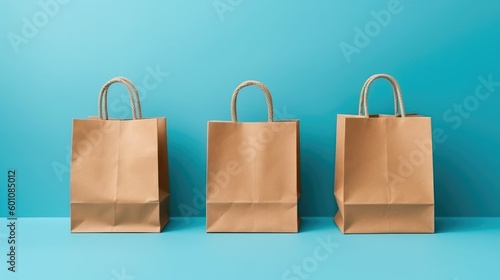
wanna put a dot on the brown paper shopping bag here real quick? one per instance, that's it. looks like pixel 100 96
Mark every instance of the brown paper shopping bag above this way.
pixel 253 173
pixel 119 171
pixel 383 170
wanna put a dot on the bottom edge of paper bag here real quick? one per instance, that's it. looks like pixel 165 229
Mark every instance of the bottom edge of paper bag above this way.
pixel 253 217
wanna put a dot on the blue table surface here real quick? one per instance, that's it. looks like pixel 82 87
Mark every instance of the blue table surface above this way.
pixel 462 248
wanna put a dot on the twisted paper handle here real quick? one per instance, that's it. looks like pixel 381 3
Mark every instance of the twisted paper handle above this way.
pixel 398 97
pixel 269 100
pixel 133 94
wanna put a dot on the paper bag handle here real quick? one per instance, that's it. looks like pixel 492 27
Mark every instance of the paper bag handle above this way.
pixel 398 97
pixel 133 94
pixel 269 100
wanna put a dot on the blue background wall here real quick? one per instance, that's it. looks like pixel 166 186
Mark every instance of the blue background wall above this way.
pixel 201 50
